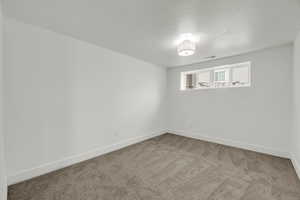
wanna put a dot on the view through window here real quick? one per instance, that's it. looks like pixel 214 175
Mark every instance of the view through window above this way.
pixel 234 75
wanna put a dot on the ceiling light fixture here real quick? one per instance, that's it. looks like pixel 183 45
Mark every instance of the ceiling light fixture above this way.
pixel 187 45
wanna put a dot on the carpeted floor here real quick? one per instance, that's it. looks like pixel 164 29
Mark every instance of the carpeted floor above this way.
pixel 168 167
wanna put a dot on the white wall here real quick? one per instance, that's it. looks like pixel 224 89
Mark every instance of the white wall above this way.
pixel 257 118
pixel 3 185
pixel 65 97
pixel 296 106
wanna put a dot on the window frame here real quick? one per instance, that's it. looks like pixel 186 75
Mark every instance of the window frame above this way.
pixel 213 83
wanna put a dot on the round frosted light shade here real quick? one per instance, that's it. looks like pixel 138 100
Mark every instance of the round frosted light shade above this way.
pixel 186 48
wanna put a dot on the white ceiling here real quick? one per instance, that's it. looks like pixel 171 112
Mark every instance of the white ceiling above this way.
pixel 148 29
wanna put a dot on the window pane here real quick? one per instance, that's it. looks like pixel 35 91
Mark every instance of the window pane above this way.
pixel 190 80
pixel 203 79
pixel 220 76
pixel 240 75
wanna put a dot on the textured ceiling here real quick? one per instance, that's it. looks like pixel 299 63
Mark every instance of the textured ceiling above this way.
pixel 148 29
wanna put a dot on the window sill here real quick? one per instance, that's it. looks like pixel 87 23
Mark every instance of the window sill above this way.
pixel 214 88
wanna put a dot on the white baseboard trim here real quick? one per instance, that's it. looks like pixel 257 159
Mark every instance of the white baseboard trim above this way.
pixel 59 164
pixel 296 164
pixel 232 143
pixel 3 190
pixel 4 193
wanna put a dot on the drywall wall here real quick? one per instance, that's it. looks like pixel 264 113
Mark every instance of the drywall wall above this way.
pixel 68 98
pixel 257 118
pixel 295 151
pixel 3 185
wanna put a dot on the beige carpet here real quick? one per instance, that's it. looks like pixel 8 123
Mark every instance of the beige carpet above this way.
pixel 168 167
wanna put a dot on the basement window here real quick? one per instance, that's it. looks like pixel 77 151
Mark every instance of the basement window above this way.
pixel 227 76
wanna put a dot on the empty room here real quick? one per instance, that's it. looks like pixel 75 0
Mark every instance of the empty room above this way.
pixel 150 100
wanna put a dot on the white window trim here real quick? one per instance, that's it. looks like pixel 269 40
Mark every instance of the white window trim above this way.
pixel 212 69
